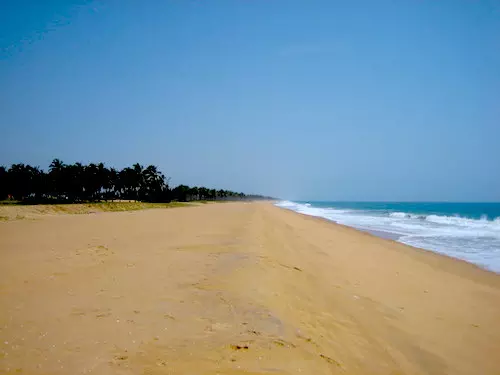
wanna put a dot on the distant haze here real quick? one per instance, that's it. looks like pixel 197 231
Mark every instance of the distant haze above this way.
pixel 313 100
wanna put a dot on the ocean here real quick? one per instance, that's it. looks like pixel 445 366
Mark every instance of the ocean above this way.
pixel 468 231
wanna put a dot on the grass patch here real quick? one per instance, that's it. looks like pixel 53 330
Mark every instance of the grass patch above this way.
pixel 84 208
pixel 20 212
pixel 9 202
pixel 132 206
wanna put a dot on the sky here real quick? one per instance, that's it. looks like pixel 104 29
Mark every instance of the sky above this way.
pixel 310 100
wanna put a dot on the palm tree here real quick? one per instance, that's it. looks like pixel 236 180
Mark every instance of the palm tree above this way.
pixel 153 185
pixel 57 182
pixel 181 192
pixel 203 192
pixel 221 194
pixel 4 189
pixel 193 193
pixel 38 183
pixel 212 194
pixel 91 182
pixel 127 183
pixel 25 182
pixel 77 182
pixel 111 187
pixel 137 180
pixel 74 174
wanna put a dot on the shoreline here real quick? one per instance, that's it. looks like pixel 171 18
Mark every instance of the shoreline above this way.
pixel 395 238
pixel 434 259
pixel 233 288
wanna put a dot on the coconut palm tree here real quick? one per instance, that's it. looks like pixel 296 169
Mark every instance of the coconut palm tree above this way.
pixel 180 193
pixel 193 193
pixel 57 180
pixel 4 189
pixel 221 194
pixel 203 192
pixel 153 184
pixel 78 182
pixel 25 182
pixel 74 175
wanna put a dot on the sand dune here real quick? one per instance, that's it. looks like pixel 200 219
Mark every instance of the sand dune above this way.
pixel 235 288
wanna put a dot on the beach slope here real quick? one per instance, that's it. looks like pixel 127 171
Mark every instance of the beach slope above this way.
pixel 235 288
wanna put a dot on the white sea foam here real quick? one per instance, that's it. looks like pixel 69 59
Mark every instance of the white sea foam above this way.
pixel 477 241
pixel 399 214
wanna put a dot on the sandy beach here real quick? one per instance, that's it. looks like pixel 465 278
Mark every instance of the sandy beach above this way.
pixel 235 288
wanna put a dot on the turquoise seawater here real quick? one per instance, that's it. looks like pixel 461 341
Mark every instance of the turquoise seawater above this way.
pixel 491 211
pixel 468 231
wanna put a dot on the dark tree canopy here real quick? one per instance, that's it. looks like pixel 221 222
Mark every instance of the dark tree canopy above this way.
pixel 69 183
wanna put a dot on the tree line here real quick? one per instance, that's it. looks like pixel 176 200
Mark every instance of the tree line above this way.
pixel 73 183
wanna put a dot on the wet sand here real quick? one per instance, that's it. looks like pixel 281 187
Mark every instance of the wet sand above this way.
pixel 236 288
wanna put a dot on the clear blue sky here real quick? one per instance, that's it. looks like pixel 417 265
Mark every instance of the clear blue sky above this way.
pixel 340 100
